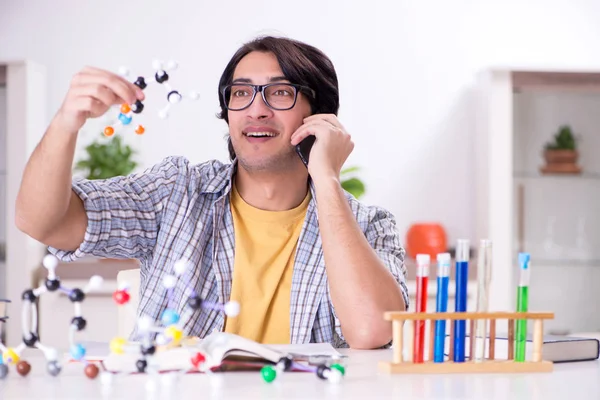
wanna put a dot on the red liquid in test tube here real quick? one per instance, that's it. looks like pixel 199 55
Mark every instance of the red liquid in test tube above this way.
pixel 423 261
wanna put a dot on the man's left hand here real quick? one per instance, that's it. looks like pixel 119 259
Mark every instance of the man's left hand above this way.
pixel 332 146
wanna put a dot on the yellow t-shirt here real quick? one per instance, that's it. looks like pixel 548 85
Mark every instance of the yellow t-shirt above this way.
pixel 265 246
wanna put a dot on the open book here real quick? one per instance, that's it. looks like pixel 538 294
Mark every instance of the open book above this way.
pixel 223 351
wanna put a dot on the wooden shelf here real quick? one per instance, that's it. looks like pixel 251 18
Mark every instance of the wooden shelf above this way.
pixel 583 82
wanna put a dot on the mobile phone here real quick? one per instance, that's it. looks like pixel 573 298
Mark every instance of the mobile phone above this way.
pixel 303 148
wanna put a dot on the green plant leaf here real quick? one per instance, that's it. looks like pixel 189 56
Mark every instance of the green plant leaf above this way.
pixel 354 186
pixel 349 170
pixel 107 159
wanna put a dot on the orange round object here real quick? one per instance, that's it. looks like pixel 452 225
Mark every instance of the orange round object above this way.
pixel 125 108
pixel 91 371
pixel 140 130
pixel 426 238
pixel 109 131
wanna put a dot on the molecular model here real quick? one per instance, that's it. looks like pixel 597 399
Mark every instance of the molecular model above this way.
pixel 30 325
pixel 3 367
pixel 160 77
pixel 168 333
pixel 332 373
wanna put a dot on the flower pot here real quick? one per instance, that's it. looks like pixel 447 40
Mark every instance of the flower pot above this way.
pixel 561 162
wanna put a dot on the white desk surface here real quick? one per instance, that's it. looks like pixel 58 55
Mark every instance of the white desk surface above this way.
pixel 362 381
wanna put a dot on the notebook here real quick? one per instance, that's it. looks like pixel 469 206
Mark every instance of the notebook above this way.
pixel 223 351
pixel 556 349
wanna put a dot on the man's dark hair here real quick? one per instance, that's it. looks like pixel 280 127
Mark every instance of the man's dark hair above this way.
pixel 301 64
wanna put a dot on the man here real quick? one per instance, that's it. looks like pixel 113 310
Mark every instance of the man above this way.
pixel 306 261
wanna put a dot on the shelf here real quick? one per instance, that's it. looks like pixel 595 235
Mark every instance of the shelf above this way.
pixel 594 176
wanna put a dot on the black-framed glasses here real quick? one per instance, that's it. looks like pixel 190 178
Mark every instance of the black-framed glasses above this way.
pixel 278 96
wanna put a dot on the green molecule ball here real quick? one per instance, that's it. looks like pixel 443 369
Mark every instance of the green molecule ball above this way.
pixel 268 373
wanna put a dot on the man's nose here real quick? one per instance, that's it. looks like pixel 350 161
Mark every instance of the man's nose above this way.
pixel 259 109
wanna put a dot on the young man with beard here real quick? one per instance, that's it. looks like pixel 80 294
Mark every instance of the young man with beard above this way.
pixel 305 260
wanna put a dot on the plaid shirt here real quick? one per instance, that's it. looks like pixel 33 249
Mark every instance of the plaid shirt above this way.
pixel 175 210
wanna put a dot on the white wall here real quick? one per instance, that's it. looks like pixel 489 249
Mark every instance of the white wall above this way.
pixel 405 69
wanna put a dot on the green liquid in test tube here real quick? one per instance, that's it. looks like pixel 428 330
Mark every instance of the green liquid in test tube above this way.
pixel 522 306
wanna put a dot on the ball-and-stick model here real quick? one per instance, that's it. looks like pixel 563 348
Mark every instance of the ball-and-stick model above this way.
pixel 3 318
pixel 161 77
pixel 332 373
pixel 30 324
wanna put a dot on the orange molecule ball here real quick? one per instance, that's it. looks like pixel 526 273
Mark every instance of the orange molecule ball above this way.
pixel 109 131
pixel 140 130
pixel 125 108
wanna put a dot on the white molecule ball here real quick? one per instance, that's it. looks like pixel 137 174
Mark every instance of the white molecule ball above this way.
pixel 232 308
pixel 51 354
pixel 123 71
pixel 163 114
pixel 106 378
pixel 169 281
pixel 335 376
pixel 180 267
pixel 144 324
pixel 157 64
pixel 50 262
pixel 96 282
pixel 194 95
pixel 172 65
pixel 161 339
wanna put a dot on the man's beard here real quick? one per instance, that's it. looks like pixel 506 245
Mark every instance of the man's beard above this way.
pixel 282 161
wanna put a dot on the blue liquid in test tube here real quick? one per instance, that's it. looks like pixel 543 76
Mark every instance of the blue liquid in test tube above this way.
pixel 462 274
pixel 443 276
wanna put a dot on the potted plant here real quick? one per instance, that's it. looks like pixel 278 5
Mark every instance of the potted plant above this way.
pixel 107 159
pixel 561 154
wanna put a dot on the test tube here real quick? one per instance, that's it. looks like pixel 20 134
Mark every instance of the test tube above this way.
pixel 522 306
pixel 484 274
pixel 441 305
pixel 423 261
pixel 462 275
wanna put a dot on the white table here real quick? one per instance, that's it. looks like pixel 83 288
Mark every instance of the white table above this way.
pixel 362 381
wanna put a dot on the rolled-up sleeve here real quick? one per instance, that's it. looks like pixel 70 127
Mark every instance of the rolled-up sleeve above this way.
pixel 382 234
pixel 124 213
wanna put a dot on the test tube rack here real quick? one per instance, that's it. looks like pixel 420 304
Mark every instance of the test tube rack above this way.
pixel 406 365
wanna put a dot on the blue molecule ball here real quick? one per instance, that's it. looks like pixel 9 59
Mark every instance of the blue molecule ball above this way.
pixel 169 317
pixel 125 120
pixel 77 352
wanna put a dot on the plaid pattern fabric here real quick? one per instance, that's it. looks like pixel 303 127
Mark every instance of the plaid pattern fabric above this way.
pixel 175 210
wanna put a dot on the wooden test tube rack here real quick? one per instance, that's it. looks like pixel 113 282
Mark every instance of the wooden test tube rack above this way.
pixel 488 365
